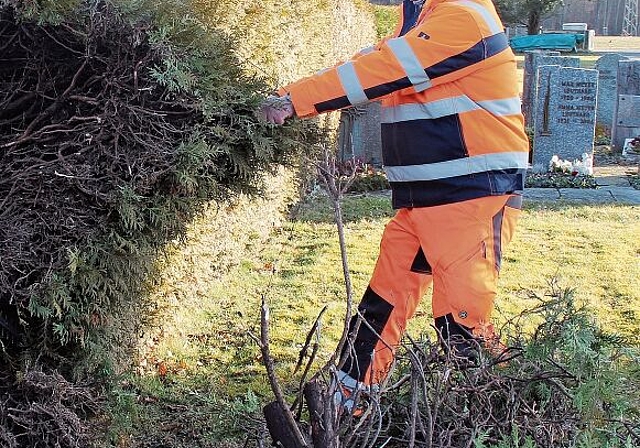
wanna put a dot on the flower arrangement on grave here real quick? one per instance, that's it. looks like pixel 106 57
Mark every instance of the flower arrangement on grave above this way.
pixel 631 146
pixel 583 167
pixel 562 173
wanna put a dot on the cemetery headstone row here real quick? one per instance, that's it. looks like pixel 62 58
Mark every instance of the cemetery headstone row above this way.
pixel 562 103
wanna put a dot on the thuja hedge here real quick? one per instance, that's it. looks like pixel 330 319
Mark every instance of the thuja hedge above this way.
pixel 284 40
pixel 120 122
pixel 117 125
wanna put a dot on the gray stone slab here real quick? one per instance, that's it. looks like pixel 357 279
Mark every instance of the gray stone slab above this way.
pixel 623 195
pixel 541 194
pixel 533 60
pixel 629 111
pixel 565 113
pixel 601 195
pixel 625 123
pixel 587 196
pixel 612 181
pixel 359 134
pixel 607 67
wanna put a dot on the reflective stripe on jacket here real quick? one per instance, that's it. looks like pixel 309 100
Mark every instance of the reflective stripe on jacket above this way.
pixel 452 127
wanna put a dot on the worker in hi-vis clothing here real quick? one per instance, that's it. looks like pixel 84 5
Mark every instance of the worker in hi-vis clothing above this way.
pixel 454 150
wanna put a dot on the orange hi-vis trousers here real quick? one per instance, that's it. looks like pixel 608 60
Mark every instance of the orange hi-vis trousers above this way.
pixel 456 247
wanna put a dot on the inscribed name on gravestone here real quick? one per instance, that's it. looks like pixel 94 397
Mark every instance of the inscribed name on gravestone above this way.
pixel 565 117
pixel 626 123
pixel 532 61
pixel 607 67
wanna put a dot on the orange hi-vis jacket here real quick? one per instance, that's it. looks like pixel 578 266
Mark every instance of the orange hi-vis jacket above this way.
pixel 452 127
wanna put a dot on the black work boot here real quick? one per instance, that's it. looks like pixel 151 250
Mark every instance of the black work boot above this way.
pixel 457 340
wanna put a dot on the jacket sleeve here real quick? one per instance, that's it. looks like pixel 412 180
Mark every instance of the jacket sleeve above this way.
pixel 447 45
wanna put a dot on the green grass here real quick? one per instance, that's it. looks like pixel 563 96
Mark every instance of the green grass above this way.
pixel 200 368
pixel 387 17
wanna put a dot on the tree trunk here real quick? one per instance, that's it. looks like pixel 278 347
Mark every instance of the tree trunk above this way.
pixel 533 22
pixel 321 415
pixel 279 427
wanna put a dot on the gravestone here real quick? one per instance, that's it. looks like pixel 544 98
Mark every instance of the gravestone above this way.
pixel 607 67
pixel 359 134
pixel 565 117
pixel 626 123
pixel 532 61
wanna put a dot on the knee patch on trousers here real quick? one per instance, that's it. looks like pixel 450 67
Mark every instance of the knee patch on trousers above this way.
pixel 449 328
pixel 376 312
pixel 421 264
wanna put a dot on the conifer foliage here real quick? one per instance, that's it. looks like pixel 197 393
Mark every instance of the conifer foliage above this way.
pixel 118 120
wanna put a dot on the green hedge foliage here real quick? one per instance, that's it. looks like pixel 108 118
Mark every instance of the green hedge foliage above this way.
pixel 285 40
pixel 124 124
pixel 158 122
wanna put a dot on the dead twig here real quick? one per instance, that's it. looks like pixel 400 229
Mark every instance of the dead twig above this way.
pixel 282 406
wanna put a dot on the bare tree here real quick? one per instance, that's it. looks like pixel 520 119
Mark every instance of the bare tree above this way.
pixel 526 12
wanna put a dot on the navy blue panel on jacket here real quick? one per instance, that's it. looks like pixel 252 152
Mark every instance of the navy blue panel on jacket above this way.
pixel 333 104
pixel 417 142
pixel 383 89
pixel 456 189
pixel 484 49
pixel 410 14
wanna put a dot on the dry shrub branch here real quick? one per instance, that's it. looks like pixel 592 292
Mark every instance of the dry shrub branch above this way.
pixel 43 410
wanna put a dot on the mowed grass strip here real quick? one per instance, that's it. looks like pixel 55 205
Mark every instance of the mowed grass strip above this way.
pixel 203 359
pixel 594 249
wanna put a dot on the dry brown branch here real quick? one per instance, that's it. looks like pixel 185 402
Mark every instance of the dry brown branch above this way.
pixel 282 408
pixel 337 185
pixel 314 333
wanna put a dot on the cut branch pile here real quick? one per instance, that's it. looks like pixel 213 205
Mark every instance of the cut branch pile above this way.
pixel 533 394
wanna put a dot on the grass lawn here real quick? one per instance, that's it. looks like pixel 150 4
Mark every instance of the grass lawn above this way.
pixel 199 373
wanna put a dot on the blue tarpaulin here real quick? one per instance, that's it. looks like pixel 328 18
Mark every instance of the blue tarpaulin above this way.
pixel 547 41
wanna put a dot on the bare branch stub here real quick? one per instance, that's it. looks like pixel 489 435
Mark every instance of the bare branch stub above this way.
pixel 280 420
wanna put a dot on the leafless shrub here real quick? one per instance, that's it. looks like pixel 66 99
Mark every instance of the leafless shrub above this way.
pixel 563 383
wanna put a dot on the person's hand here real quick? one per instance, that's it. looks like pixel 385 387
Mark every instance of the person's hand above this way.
pixel 276 109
